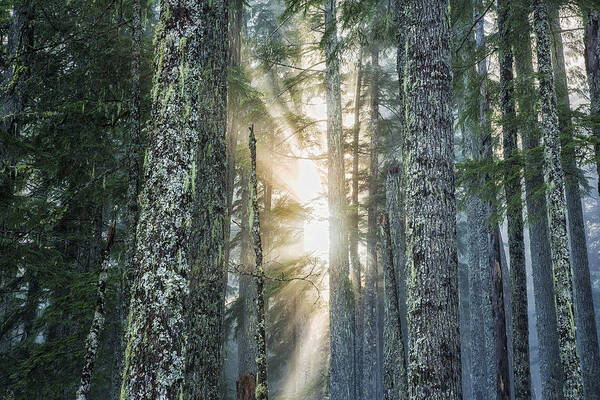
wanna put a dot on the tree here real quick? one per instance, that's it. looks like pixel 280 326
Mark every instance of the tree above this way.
pixel 369 373
pixel 180 236
pixel 554 177
pixel 262 386
pixel 585 320
pixel 432 292
pixel 340 298
pixel 591 19
pixel 512 187
pixel 541 261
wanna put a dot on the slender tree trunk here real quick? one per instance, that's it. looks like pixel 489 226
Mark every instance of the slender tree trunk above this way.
pixel 394 187
pixel 488 239
pixel 554 176
pixel 433 320
pixel 370 301
pixel 93 338
pixel 587 337
pixel 340 297
pixel 354 233
pixel 262 387
pixel 541 261
pixel 516 245
pixel 395 385
pixel 591 19
pixel 180 239
pixel 247 352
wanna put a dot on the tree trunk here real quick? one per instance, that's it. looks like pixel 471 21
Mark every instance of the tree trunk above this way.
pixel 340 296
pixel 93 339
pixel 370 301
pixel 432 265
pixel 247 352
pixel 394 361
pixel 488 240
pixel 512 187
pixel 587 337
pixel 262 387
pixel 541 261
pixel 353 236
pixel 591 19
pixel 554 176
pixel 180 239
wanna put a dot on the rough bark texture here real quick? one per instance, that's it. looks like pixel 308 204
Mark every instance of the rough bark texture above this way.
pixel 587 338
pixel 175 321
pixel 501 343
pixel 591 19
pixel 262 387
pixel 369 373
pixel 93 338
pixel 559 244
pixel 353 235
pixel 584 308
pixel 340 296
pixel 394 361
pixel 516 245
pixel 432 265
pixel 486 212
pixel 541 261
pixel 247 319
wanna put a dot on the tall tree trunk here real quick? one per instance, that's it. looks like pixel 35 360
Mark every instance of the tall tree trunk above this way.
pixel 516 244
pixel 93 338
pixel 541 261
pixel 262 387
pixel 247 351
pixel 585 321
pixel 354 233
pixel 178 284
pixel 559 243
pixel 432 295
pixel 340 297
pixel 394 362
pixel 370 329
pixel 591 19
pixel 487 236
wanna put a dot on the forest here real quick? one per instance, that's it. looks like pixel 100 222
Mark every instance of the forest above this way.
pixel 299 199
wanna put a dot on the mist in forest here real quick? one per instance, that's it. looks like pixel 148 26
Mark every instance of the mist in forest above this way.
pixel 353 199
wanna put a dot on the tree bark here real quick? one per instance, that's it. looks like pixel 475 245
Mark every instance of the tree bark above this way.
pixel 369 373
pixel 432 265
pixel 394 362
pixel 591 19
pixel 354 234
pixel 247 351
pixel 554 176
pixel 585 321
pixel 93 339
pixel 262 387
pixel 175 324
pixel 340 296
pixel 513 192
pixel 541 261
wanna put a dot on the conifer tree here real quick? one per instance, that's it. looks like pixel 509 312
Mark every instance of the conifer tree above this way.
pixel 340 303
pixel 432 292
pixel 554 177
pixel 584 304
pixel 179 277
pixel 541 261
pixel 512 186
